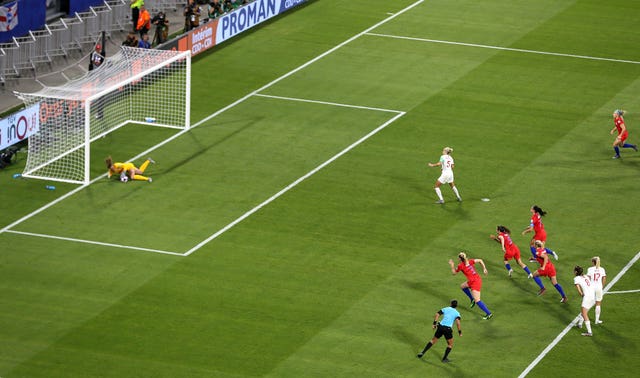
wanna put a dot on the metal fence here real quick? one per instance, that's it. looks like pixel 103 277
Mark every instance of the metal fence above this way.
pixel 77 33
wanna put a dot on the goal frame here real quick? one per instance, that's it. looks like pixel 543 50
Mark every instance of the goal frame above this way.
pixel 89 100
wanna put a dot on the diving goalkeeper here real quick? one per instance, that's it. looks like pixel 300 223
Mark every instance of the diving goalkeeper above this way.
pixel 128 171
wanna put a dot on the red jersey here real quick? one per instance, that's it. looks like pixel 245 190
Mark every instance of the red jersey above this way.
pixel 511 250
pixel 536 223
pixel 619 122
pixel 508 243
pixel 549 269
pixel 469 270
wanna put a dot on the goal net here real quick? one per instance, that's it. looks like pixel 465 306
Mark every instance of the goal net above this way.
pixel 142 86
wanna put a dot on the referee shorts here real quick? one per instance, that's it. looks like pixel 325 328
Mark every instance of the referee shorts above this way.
pixel 445 331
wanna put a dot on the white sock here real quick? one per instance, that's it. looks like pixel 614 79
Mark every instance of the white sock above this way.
pixel 455 190
pixel 580 322
pixel 588 324
pixel 597 314
pixel 439 193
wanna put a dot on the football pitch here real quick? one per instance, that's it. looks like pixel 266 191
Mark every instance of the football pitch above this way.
pixel 293 230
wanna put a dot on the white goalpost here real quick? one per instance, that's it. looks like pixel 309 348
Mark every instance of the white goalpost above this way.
pixel 143 86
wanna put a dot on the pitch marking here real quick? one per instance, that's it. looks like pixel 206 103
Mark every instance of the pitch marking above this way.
pixel 292 185
pixel 504 48
pixel 329 103
pixel 96 242
pixel 570 326
pixel 239 101
pixel 623 292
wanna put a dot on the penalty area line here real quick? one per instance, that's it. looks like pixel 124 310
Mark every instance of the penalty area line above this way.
pixel 570 325
pixel 96 243
pixel 328 103
pixel 293 184
pixel 587 57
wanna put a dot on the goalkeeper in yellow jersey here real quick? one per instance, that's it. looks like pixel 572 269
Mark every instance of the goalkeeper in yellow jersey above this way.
pixel 128 171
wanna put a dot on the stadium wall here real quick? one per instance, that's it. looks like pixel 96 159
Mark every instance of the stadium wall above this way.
pixel 231 24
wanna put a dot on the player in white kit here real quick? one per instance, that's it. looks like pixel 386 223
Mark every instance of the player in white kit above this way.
pixel 446 164
pixel 585 289
pixel 598 277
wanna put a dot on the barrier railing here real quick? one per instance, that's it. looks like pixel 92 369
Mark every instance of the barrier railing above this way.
pixel 39 49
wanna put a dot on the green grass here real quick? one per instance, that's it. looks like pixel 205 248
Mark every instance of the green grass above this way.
pixel 341 274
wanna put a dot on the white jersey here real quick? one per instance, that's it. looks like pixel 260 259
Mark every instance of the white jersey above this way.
pixel 589 294
pixel 595 275
pixel 446 163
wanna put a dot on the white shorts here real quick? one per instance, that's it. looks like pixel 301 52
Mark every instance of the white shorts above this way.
pixel 446 178
pixel 588 302
pixel 598 293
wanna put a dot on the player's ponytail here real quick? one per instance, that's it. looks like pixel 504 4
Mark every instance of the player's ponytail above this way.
pixel 538 210
pixel 504 229
pixel 578 270
pixel 109 162
pixel 596 261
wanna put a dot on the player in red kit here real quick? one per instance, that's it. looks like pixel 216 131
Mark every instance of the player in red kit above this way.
pixel 473 285
pixel 539 233
pixel 619 125
pixel 547 270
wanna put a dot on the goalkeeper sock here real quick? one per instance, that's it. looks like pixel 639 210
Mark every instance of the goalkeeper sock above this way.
pixel 144 165
pixel 140 178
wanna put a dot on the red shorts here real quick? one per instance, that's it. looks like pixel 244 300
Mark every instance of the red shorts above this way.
pixel 514 253
pixel 475 285
pixel 542 236
pixel 624 135
pixel 549 271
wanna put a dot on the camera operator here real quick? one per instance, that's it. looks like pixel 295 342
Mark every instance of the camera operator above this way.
pixel 162 28
pixel 191 15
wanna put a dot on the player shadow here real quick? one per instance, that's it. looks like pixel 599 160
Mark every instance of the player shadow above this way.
pixel 426 287
pixel 524 284
pixel 433 358
pixel 607 336
pixel 411 340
